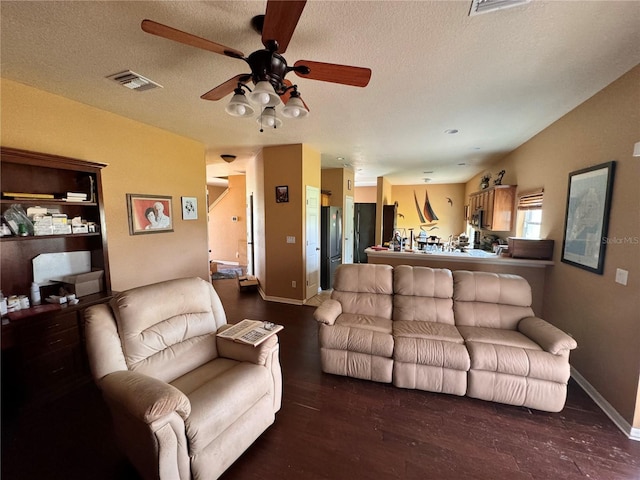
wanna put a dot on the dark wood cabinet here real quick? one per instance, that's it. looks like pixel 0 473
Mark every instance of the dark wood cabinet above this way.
pixel 43 350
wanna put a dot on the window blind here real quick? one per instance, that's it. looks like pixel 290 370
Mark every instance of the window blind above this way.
pixel 531 201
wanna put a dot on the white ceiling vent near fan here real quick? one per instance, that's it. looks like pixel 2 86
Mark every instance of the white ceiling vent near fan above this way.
pixel 134 81
pixel 485 6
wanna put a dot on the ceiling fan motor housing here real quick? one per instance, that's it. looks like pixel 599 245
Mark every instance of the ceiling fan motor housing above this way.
pixel 270 66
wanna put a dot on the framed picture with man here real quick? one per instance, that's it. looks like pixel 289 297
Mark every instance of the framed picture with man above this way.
pixel 149 213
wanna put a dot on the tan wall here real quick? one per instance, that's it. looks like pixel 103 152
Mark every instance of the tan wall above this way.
pixel 228 239
pixel 142 159
pixel 283 261
pixel 214 192
pixel 601 314
pixel 451 219
pixel 332 179
pixel 365 195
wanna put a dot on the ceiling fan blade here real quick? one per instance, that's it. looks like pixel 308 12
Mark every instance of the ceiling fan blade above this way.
pixel 171 33
pixel 287 95
pixel 280 21
pixel 331 72
pixel 226 88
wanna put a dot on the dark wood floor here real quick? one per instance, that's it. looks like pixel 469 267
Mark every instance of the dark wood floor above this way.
pixel 334 427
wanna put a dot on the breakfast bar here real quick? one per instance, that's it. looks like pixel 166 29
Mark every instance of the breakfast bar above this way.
pixel 474 260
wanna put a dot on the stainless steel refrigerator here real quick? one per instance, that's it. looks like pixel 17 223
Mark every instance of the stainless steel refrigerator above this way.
pixel 330 244
pixel 364 230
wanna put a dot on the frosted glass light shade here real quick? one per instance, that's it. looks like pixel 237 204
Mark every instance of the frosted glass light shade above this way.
pixel 239 106
pixel 264 95
pixel 268 119
pixel 295 108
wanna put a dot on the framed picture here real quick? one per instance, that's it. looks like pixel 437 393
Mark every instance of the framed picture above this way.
pixel 189 208
pixel 587 217
pixel 149 213
pixel 282 194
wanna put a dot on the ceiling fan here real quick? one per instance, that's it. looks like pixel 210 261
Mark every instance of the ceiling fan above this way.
pixel 268 66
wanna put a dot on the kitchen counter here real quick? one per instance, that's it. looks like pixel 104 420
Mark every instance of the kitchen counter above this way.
pixel 472 256
pixel 474 260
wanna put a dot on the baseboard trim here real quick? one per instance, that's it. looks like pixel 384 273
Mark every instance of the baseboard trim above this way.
pixel 631 432
pixel 290 301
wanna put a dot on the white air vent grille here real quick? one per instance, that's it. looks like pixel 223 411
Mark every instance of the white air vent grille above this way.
pixel 134 81
pixel 485 6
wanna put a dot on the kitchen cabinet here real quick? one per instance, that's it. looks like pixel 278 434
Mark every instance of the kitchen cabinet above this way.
pixel 498 207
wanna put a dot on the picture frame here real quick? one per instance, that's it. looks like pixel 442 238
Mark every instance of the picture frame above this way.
pixel 282 194
pixel 189 208
pixel 149 213
pixel 587 217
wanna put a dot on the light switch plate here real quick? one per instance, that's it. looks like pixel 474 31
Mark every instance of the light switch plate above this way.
pixel 621 276
pixel 291 239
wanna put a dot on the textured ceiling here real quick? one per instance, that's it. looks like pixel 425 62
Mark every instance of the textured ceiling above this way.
pixel 498 78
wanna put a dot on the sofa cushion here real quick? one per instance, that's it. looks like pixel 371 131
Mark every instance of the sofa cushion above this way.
pixel 521 362
pixel 484 299
pixel 365 289
pixel 428 330
pixel 217 403
pixel 423 294
pixel 348 338
pixel 366 322
pixel 511 338
pixel 168 328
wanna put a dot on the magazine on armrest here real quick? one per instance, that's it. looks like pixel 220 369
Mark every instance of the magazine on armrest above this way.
pixel 251 332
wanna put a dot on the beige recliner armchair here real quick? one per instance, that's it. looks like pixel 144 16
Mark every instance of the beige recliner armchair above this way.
pixel 185 404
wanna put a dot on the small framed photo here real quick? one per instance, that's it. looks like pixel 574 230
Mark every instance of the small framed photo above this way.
pixel 587 217
pixel 149 213
pixel 282 194
pixel 189 208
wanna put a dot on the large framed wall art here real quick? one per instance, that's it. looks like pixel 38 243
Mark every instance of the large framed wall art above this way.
pixel 587 217
pixel 149 213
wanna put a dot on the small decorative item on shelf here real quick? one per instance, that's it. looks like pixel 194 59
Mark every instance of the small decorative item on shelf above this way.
pixel 484 181
pixel 498 180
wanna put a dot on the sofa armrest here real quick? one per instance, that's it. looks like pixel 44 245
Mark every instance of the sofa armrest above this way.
pixel 549 337
pixel 145 398
pixel 243 352
pixel 328 311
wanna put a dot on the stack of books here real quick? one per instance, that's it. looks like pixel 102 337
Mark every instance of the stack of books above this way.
pixel 76 197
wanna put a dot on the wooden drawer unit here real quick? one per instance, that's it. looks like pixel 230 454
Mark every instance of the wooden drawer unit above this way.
pixel 48 351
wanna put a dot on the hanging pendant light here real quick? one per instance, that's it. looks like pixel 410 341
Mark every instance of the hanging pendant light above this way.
pixel 295 107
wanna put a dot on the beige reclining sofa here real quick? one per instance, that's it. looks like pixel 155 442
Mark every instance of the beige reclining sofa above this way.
pixel 462 333
pixel 185 404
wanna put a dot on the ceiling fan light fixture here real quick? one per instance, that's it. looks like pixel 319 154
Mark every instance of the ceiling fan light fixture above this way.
pixel 295 108
pixel 268 119
pixel 239 106
pixel 264 95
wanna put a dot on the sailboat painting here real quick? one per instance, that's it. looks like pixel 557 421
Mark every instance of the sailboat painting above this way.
pixel 426 214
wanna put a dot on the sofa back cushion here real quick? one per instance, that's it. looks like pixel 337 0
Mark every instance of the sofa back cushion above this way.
pixel 365 289
pixel 167 329
pixel 423 294
pixel 492 300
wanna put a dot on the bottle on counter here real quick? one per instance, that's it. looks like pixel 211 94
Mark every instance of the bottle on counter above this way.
pixel 35 294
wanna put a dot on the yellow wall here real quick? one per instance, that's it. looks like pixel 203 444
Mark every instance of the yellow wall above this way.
pixel 602 315
pixel 332 180
pixel 228 239
pixel 141 159
pixel 450 215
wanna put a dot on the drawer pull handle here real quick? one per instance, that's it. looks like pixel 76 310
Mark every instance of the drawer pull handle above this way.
pixel 57 370
pixel 55 341
pixel 54 325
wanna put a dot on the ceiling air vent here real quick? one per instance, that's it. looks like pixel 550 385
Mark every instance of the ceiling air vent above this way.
pixel 134 81
pixel 485 6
